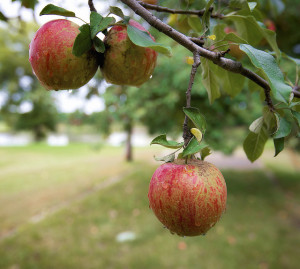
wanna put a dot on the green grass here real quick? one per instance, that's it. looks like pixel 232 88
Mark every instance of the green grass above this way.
pixel 259 230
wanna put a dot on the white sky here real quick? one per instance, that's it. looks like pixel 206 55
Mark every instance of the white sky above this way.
pixel 66 102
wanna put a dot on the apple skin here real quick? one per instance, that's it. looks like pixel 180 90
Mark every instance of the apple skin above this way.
pixel 124 62
pixel 52 61
pixel 188 199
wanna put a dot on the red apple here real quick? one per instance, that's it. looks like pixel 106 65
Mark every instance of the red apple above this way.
pixel 188 198
pixel 52 61
pixel 124 62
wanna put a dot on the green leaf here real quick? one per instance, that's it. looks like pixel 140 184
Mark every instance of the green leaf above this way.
pixel 271 121
pixel 3 17
pixel 205 152
pixel 279 145
pixel 285 128
pixel 55 10
pixel 195 23
pixel 98 23
pixel 196 117
pixel 256 125
pixel 294 104
pixel 254 144
pixel 143 39
pixel 209 80
pixel 117 11
pixel 99 45
pixel 193 147
pixel 83 42
pixel 206 16
pixel 167 159
pixel 296 116
pixel 265 62
pixel 249 29
pixel 162 140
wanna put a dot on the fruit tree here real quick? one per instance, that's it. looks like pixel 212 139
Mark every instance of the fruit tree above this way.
pixel 233 46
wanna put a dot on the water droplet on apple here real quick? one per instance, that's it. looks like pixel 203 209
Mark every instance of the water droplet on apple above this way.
pixel 151 76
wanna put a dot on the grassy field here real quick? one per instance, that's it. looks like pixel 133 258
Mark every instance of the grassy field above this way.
pixel 261 228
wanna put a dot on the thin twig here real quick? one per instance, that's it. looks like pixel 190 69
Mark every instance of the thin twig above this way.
pixel 296 91
pixel 227 64
pixel 91 5
pixel 186 131
pixel 180 11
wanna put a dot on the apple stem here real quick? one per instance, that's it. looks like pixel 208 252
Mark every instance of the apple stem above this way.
pixel 91 5
pixel 187 135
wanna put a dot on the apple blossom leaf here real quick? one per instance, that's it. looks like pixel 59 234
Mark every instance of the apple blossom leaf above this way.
pixel 296 116
pixel 193 147
pixel 195 23
pixel 117 11
pixel 205 152
pixel 266 62
pixel 83 42
pixel 285 127
pixel 167 159
pixel 55 10
pixel 279 145
pixel 98 23
pixel 196 117
pixel 254 144
pixel 294 104
pixel 256 125
pixel 99 45
pixel 143 39
pixel 162 140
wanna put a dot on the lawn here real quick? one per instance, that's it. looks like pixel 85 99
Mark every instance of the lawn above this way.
pixel 113 227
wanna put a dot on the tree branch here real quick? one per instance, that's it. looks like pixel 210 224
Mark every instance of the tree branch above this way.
pixel 227 64
pixel 186 131
pixel 180 11
pixel 91 5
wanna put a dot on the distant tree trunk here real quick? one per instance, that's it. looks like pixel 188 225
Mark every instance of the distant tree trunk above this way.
pixel 128 153
pixel 39 133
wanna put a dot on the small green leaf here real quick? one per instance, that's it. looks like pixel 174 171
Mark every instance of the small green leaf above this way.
pixel 193 147
pixel 162 140
pixel 195 23
pixel 296 116
pixel 55 10
pixel 83 42
pixel 254 144
pixel 99 45
pixel 197 133
pixel 117 11
pixel 98 23
pixel 271 121
pixel 294 104
pixel 143 39
pixel 266 62
pixel 279 145
pixel 209 79
pixel 256 125
pixel 196 117
pixel 3 17
pixel 205 152
pixel 206 15
pixel 167 159
pixel 285 128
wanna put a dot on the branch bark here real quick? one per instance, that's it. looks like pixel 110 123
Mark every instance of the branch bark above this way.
pixel 216 58
pixel 91 5
pixel 180 11
pixel 186 131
